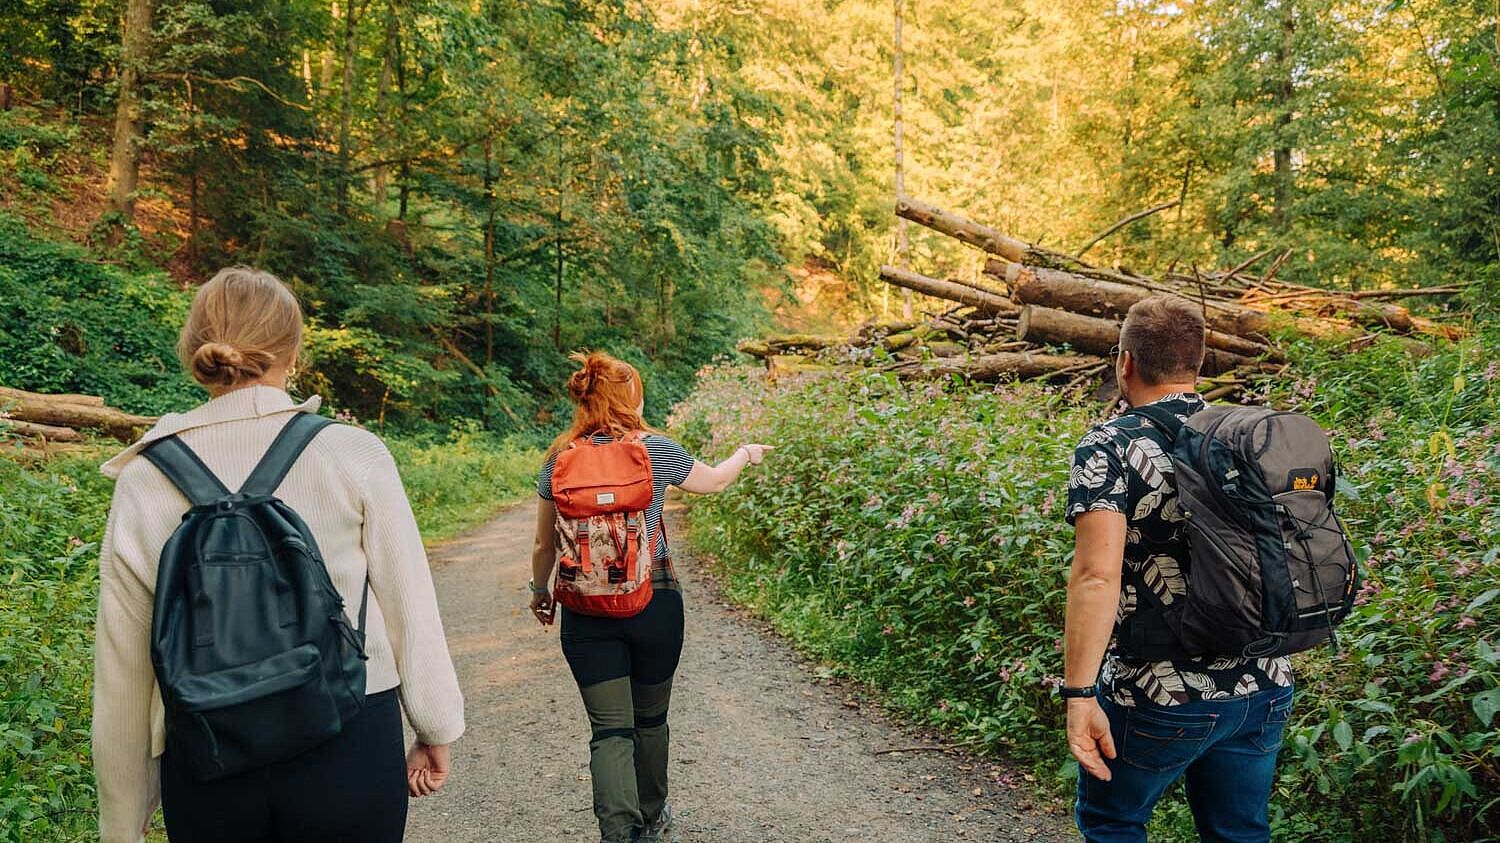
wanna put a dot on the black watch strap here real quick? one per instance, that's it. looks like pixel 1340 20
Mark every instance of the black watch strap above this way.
pixel 1080 693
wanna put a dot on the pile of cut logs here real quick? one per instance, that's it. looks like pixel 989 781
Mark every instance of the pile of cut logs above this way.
pixel 1041 313
pixel 43 424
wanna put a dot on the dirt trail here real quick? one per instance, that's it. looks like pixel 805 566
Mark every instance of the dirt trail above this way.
pixel 762 750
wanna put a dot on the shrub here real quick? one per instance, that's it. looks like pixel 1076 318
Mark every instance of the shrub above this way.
pixel 460 481
pixel 68 324
pixel 913 536
pixel 51 519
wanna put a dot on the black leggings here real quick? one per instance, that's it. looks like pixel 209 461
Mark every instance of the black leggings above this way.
pixel 352 788
pixel 645 647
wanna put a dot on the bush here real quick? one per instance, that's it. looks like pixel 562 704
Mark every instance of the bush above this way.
pixel 68 324
pixel 913 536
pixel 51 520
pixel 461 481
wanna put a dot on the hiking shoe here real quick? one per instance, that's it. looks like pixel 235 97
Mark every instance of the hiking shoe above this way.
pixel 656 832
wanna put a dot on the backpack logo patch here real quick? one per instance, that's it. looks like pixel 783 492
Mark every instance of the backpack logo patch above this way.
pixel 604 498
pixel 1304 479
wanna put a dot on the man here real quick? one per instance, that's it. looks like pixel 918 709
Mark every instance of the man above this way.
pixel 1136 726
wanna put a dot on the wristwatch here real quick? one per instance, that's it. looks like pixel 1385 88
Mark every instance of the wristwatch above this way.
pixel 1082 693
pixel 540 592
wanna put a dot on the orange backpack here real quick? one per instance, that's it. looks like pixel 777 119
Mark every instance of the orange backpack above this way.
pixel 604 556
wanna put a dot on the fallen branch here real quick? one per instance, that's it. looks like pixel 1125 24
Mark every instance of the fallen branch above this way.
pixel 1022 365
pixel 43 409
pixel 32 430
pixel 1138 215
pixel 984 300
pixel 967 231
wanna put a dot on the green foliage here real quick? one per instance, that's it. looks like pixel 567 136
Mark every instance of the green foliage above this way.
pixel 913 536
pixel 461 481
pixel 68 324
pixel 50 524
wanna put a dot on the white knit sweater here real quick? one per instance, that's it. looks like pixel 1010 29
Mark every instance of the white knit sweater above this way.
pixel 346 488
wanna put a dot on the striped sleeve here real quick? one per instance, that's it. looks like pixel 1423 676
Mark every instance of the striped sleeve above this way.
pixel 670 462
pixel 544 479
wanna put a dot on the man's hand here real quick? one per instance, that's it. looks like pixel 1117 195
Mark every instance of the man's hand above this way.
pixel 1089 737
pixel 426 768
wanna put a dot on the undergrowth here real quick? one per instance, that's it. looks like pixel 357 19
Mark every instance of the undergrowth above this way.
pixel 913 536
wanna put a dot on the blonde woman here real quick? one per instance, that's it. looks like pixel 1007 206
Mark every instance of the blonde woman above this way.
pixel 241 340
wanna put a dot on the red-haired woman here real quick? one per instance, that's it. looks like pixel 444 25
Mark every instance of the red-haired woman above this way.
pixel 624 665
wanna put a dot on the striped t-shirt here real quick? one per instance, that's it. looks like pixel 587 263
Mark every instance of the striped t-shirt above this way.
pixel 670 464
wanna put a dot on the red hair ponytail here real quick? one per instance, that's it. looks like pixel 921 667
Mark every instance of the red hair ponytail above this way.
pixel 607 394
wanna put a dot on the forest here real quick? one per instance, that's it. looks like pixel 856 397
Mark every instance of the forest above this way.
pixel 462 193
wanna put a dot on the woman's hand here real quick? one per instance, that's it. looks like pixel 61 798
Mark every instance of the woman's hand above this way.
pixel 426 768
pixel 543 607
pixel 757 452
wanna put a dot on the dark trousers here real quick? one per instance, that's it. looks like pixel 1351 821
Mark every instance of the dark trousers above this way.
pixel 1226 749
pixel 352 788
pixel 624 669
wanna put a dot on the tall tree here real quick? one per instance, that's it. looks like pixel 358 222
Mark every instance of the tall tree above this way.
pixel 125 156
pixel 903 246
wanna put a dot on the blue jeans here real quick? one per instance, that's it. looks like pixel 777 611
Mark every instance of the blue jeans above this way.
pixel 1227 748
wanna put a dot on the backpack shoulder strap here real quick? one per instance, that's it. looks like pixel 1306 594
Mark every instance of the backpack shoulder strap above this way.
pixel 284 451
pixel 1165 420
pixel 186 471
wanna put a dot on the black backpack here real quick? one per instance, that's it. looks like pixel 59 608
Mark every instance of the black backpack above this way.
pixel 255 658
pixel 1270 571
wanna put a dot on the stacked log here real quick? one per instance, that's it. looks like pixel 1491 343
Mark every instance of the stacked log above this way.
pixel 1041 313
pixel 42 419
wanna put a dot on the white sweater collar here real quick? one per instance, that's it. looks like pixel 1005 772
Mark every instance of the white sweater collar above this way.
pixel 247 403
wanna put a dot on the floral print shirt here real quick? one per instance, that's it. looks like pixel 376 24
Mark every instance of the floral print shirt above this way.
pixel 1122 466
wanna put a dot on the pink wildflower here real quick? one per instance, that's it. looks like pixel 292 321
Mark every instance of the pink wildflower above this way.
pixel 1439 670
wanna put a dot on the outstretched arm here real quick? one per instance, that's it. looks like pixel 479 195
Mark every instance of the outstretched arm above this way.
pixel 707 479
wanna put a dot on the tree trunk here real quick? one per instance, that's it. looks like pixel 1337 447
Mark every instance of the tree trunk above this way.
pixel 938 288
pixel 992 367
pixel 1094 297
pixel 903 246
pixel 46 410
pixel 8 395
pixel 562 185
pixel 970 232
pixel 788 344
pixel 1282 89
pixel 489 256
pixel 125 157
pixel 1098 336
pixel 32 430
pixel 7 97
pixel 382 93
pixel 1057 327
pixel 346 104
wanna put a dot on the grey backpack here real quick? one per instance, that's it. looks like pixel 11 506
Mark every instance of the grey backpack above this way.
pixel 1271 571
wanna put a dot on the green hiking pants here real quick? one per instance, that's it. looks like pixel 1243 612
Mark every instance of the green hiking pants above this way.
pixel 624 669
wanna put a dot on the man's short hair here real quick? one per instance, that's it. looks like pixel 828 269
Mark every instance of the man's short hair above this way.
pixel 1165 336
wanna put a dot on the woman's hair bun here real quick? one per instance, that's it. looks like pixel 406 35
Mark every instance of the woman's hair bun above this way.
pixel 596 366
pixel 219 364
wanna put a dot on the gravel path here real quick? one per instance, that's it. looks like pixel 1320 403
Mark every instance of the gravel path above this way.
pixel 762 749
